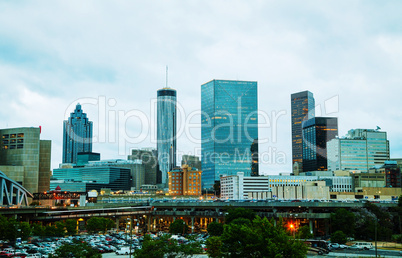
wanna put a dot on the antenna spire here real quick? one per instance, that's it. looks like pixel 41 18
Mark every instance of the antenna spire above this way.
pixel 167 73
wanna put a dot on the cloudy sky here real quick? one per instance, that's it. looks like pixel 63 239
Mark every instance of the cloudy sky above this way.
pixel 111 56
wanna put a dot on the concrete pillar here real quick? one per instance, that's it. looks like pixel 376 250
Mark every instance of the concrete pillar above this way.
pixel 117 223
pixel 311 222
pixel 149 223
pixel 192 224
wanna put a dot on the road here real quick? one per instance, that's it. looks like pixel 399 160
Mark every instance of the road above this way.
pixel 339 253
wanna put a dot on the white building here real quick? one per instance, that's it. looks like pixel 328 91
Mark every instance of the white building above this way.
pixel 360 149
pixel 239 187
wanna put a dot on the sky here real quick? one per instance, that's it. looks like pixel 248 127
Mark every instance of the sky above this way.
pixel 111 57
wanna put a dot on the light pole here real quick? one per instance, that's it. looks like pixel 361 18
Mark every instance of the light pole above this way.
pixel 375 237
pixel 131 234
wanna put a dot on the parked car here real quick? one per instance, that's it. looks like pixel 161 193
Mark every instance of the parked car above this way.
pixel 125 251
pixel 335 246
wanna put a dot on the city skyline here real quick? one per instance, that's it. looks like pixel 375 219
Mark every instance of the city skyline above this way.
pixel 87 52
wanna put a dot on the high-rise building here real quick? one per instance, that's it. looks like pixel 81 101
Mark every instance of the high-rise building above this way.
pixel 191 161
pixel 77 135
pixel 25 158
pixel 254 158
pixel 360 149
pixel 316 133
pixel 229 126
pixel 302 106
pixel 166 131
pixel 149 161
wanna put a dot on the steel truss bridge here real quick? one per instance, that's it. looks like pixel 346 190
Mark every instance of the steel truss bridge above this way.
pixel 12 193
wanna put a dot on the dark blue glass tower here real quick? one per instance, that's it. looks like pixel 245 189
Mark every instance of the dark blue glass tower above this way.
pixel 77 135
pixel 229 127
pixel 316 133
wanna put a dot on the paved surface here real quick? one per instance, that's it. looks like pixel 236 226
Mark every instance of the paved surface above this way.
pixel 340 253
pixel 110 255
pixel 365 253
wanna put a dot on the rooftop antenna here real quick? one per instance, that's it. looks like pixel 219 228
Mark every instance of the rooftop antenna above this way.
pixel 167 77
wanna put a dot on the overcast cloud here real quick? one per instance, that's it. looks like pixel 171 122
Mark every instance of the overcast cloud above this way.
pixel 55 53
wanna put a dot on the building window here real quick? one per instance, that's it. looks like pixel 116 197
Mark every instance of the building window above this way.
pixel 5 141
pixel 13 135
pixel 12 146
pixel 20 140
pixel 6 136
pixel 20 135
pixel 20 146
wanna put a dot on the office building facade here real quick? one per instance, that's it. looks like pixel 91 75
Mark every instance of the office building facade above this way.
pixel 166 131
pixel 148 156
pixel 25 158
pixel 360 149
pixel 191 161
pixel 84 179
pixel 77 135
pixel 316 133
pixel 302 108
pixel 229 126
pixel 185 181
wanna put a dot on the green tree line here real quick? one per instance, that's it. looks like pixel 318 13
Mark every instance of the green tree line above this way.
pixel 10 229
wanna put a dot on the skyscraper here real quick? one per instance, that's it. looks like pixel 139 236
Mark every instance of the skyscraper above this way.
pixel 25 158
pixel 77 135
pixel 166 131
pixel 302 105
pixel 148 156
pixel 360 149
pixel 316 133
pixel 229 126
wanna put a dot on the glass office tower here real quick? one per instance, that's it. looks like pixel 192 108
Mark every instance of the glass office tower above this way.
pixel 166 131
pixel 77 135
pixel 302 105
pixel 229 126
pixel 316 133
pixel 360 149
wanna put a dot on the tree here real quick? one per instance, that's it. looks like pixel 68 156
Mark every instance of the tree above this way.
pixel 38 230
pixel 178 227
pixel 25 230
pixel 8 228
pixel 344 221
pixel 60 229
pixel 76 249
pixel 165 246
pixel 304 232
pixel 215 228
pixel 233 214
pixel 96 224
pixel 71 227
pixel 400 201
pixel 50 230
pixel 339 237
pixel 261 238
pixel 214 245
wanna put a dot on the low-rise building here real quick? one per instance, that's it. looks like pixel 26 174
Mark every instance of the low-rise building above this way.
pixel 239 187
pixel 184 181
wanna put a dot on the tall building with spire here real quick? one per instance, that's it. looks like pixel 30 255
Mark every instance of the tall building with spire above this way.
pixel 77 135
pixel 302 107
pixel 166 131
